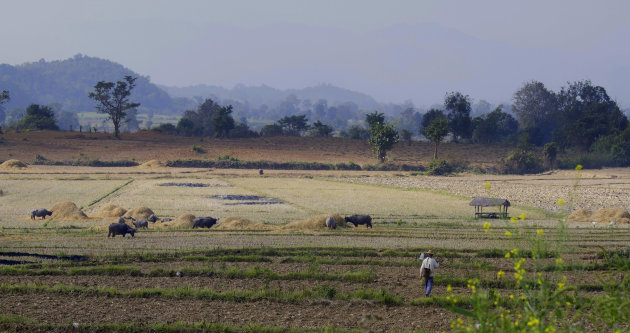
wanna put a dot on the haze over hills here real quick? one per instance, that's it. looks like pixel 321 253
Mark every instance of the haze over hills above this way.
pixel 68 82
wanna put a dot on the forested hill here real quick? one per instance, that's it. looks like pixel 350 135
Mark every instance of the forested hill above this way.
pixel 265 95
pixel 68 83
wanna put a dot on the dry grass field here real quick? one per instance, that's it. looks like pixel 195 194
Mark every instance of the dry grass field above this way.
pixel 63 275
pixel 148 145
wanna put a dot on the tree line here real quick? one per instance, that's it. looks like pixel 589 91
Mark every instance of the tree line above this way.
pixel 580 117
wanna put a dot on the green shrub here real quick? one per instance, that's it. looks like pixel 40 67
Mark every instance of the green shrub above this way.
pixel 521 161
pixel 439 167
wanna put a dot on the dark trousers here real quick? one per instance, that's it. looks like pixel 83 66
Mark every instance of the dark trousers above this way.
pixel 428 285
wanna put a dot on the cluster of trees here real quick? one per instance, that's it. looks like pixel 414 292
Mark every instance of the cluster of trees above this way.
pixel 580 116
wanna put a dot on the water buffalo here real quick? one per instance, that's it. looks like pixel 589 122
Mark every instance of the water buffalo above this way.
pixel 40 213
pixel 330 223
pixel 152 218
pixel 141 223
pixel 204 222
pixel 120 229
pixel 360 219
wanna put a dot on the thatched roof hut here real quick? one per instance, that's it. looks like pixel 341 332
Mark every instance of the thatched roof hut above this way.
pixel 480 202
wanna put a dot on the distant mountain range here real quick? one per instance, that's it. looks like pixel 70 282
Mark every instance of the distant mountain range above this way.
pixel 68 83
pixel 265 95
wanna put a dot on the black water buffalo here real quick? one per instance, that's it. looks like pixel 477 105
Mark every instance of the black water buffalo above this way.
pixel 360 219
pixel 330 223
pixel 120 229
pixel 141 223
pixel 204 222
pixel 40 213
pixel 152 218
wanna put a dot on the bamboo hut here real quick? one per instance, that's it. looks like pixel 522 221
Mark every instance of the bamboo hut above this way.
pixel 480 202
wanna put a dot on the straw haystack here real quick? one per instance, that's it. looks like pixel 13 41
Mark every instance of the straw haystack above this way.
pixel 317 222
pixel 141 212
pixel 603 215
pixel 13 164
pixel 239 223
pixel 111 210
pixel 67 211
pixel 151 164
pixel 182 221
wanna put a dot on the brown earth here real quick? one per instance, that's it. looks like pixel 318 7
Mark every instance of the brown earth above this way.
pixel 153 147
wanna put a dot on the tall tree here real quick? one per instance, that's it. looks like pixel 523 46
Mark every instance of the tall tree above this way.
pixel 294 125
pixel 112 99
pixel 374 117
pixel 223 123
pixel 436 132
pixel 429 117
pixel 4 97
pixel 494 127
pixel 382 138
pixel 586 113
pixel 320 129
pixel 536 109
pixel 458 110
pixel 38 118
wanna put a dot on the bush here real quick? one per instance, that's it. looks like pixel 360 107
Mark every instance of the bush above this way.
pixel 520 162
pixel 242 131
pixel 439 167
pixel 271 130
pixel 167 128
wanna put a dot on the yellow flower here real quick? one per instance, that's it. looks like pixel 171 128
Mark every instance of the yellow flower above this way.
pixel 486 185
pixel 509 234
pixel 487 226
pixel 449 288
pixel 522 216
pixel 511 296
pixel 518 264
pixel 514 251
pixel 532 322
pixel 514 219
pixel 568 303
pixel 500 274
pixel 540 232
pixel 560 285
pixel 507 255
pixel 559 261
pixel 561 202
pixel 578 167
pixel 550 329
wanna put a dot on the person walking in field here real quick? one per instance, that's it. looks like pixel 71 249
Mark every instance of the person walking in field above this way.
pixel 428 266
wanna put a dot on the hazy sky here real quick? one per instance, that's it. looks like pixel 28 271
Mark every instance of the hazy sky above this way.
pixel 392 50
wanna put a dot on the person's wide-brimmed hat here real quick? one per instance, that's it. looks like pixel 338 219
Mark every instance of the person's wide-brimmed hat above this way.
pixel 429 252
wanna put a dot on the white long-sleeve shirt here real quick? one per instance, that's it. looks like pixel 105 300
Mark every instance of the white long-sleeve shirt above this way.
pixel 429 263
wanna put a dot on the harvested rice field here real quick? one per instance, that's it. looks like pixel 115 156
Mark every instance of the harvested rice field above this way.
pixel 273 266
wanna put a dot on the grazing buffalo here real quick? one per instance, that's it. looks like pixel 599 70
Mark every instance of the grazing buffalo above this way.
pixel 141 223
pixel 40 213
pixel 152 218
pixel 360 219
pixel 330 223
pixel 204 222
pixel 120 229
